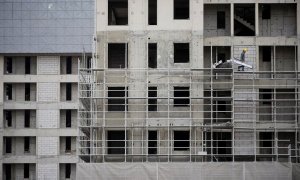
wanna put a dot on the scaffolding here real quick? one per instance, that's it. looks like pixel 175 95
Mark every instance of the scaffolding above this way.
pixel 187 115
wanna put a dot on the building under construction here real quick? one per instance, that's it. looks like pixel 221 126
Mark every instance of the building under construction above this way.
pixel 152 95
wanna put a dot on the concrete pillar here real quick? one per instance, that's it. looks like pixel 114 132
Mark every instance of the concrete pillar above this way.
pixel 256 19
pixel 1 113
pixel 232 19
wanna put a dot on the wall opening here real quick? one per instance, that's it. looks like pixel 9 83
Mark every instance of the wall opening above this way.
pixel 116 99
pixel 116 142
pixel 152 55
pixel 117 55
pixel 266 142
pixel 266 53
pixel 266 11
pixel 181 9
pixel 8 118
pixel 8 65
pixel 26 144
pixel 181 140
pixel 27 118
pixel 152 142
pixel 8 144
pixel 69 65
pixel 219 143
pixel 222 106
pixel 68 91
pixel 181 53
pixel 181 96
pixel 68 171
pixel 152 98
pixel 221 19
pixel 152 12
pixel 27 91
pixel 8 91
pixel 244 20
pixel 68 118
pixel 8 171
pixel 27 65
pixel 117 12
pixel 68 144
pixel 26 171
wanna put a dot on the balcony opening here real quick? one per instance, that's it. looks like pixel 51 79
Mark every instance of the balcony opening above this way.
pixel 69 65
pixel 68 118
pixel 219 143
pixel 266 53
pixel 181 52
pixel 68 144
pixel 8 91
pixel 181 140
pixel 221 19
pixel 26 144
pixel 117 55
pixel 152 12
pixel 181 9
pixel 27 91
pixel 117 12
pixel 222 106
pixel 8 144
pixel 68 171
pixel 8 65
pixel 68 91
pixel 116 98
pixel 116 142
pixel 26 171
pixel 266 142
pixel 8 172
pixel 152 55
pixel 244 20
pixel 8 118
pixel 27 118
pixel 266 11
pixel 152 142
pixel 152 98
pixel 27 65
pixel 181 96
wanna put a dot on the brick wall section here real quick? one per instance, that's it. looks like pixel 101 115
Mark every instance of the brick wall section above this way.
pixel 48 146
pixel 48 92
pixel 47 171
pixel 48 118
pixel 48 64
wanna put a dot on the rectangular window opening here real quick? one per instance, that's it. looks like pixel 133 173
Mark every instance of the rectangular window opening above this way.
pixel 181 140
pixel 181 96
pixel 266 140
pixel 221 19
pixel 8 144
pixel 152 12
pixel 221 57
pixel 27 91
pixel 68 171
pixel 152 142
pixel 116 142
pixel 181 53
pixel 8 91
pixel 27 118
pixel 181 9
pixel 152 98
pixel 69 65
pixel 117 12
pixel 116 98
pixel 68 91
pixel 8 118
pixel 68 145
pixel 26 144
pixel 266 11
pixel 68 118
pixel 27 65
pixel 8 175
pixel 266 96
pixel 26 171
pixel 9 65
pixel 117 55
pixel 266 52
pixel 152 55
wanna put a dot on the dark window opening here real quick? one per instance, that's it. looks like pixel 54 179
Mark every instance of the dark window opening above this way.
pixel 181 140
pixel 68 118
pixel 8 118
pixel 152 55
pixel 68 171
pixel 116 98
pixel 27 92
pixel 8 144
pixel 26 144
pixel 117 55
pixel 266 142
pixel 68 91
pixel 69 65
pixel 152 142
pixel 221 143
pixel 244 19
pixel 8 91
pixel 117 12
pixel 266 52
pixel 181 9
pixel 152 98
pixel 89 62
pixel 27 65
pixel 266 11
pixel 181 96
pixel 152 12
pixel 8 172
pixel 221 57
pixel 116 142
pixel 68 144
pixel 9 65
pixel 26 170
pixel 27 118
pixel 181 53
pixel 221 19
pixel 266 96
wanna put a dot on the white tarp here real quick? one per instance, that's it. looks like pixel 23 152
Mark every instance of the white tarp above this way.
pixel 179 171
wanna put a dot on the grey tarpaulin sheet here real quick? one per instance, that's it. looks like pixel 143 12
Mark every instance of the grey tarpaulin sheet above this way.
pixel 179 171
